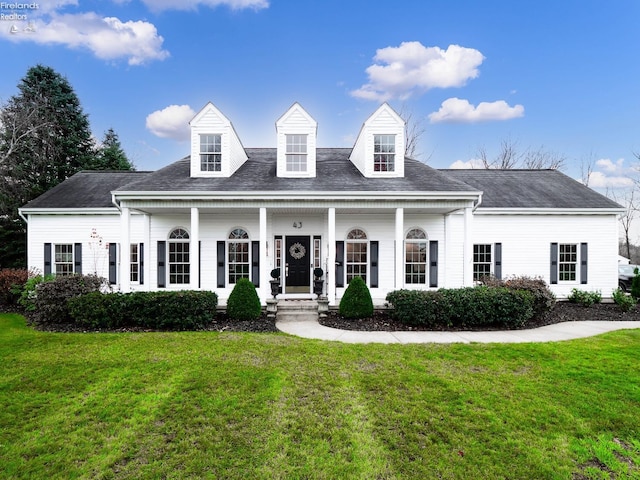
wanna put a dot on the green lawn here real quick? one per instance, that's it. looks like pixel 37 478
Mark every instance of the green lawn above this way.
pixel 269 406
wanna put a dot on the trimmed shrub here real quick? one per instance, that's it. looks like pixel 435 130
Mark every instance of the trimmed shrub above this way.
pixel 28 295
pixel 625 302
pixel 12 282
pixel 584 298
pixel 356 301
pixel 418 308
pixel 51 297
pixel 635 285
pixel 243 303
pixel 463 307
pixel 183 310
pixel 544 299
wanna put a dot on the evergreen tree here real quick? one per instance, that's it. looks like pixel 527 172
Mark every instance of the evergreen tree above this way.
pixel 44 139
pixel 110 155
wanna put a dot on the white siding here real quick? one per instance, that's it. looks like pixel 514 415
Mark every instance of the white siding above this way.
pixel 296 121
pixel 526 246
pixel 211 121
pixel 384 121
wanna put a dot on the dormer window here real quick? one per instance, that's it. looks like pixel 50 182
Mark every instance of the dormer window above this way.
pixel 384 153
pixel 296 153
pixel 210 153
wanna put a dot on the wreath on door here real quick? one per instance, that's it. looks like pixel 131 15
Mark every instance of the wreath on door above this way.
pixel 297 250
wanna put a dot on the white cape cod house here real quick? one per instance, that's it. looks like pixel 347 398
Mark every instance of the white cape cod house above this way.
pixel 227 212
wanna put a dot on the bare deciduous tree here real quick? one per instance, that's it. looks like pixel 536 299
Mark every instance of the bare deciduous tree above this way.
pixel 511 156
pixel 413 130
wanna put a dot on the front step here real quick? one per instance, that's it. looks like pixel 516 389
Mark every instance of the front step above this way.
pixel 297 311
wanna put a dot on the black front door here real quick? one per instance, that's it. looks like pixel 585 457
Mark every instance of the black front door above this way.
pixel 298 264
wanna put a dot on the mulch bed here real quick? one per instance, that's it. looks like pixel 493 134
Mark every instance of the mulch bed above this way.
pixel 381 321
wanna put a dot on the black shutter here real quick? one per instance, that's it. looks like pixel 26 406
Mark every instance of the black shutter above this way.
pixel 433 263
pixel 77 258
pixel 255 262
pixel 374 264
pixel 113 263
pixel 47 259
pixel 221 250
pixel 141 261
pixel 162 264
pixel 554 264
pixel 583 263
pixel 497 254
pixel 340 264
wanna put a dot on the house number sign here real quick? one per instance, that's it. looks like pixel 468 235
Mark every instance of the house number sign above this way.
pixel 297 251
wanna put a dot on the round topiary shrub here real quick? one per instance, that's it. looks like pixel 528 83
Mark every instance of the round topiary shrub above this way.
pixel 356 301
pixel 243 303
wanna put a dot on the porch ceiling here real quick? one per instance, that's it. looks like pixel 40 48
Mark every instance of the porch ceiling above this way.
pixel 439 210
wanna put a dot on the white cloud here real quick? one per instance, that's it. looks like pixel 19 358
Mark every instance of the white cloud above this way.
pixel 469 164
pixel 608 166
pixel 412 68
pixel 159 5
pixel 108 38
pixel 456 110
pixel 602 180
pixel 171 122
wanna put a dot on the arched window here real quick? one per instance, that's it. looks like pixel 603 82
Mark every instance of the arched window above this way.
pixel 415 248
pixel 357 259
pixel 179 266
pixel 238 255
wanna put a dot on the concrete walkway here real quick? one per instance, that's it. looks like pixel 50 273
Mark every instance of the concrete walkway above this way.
pixel 310 328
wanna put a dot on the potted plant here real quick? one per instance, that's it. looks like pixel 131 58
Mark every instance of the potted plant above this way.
pixel 318 281
pixel 275 282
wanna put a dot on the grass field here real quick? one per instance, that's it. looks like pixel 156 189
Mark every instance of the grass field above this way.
pixel 270 406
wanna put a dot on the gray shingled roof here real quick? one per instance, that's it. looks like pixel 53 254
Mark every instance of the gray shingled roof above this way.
pixel 502 188
pixel 88 189
pixel 530 189
pixel 334 172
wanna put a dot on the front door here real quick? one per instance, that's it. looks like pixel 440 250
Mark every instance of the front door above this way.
pixel 298 265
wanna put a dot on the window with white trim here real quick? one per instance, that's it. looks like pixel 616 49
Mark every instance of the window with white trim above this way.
pixel 384 153
pixel 238 256
pixel 567 262
pixel 415 248
pixel 481 261
pixel 296 153
pixel 357 254
pixel 210 153
pixel 134 259
pixel 179 266
pixel 63 259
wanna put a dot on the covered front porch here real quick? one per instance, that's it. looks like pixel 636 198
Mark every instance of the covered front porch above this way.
pixel 209 244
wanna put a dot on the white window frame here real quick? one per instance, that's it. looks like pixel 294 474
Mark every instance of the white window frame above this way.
pixel 179 257
pixel 568 258
pixel 134 260
pixel 384 153
pixel 296 153
pixel 64 259
pixel 414 238
pixel 477 263
pixel 357 241
pixel 238 255
pixel 210 152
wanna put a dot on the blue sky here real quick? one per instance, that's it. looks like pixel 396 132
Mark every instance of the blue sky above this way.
pixel 557 75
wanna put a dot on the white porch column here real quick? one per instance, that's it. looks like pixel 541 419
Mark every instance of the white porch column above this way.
pixel 194 250
pixel 125 250
pixel 330 270
pixel 146 225
pixel 265 289
pixel 468 248
pixel 399 249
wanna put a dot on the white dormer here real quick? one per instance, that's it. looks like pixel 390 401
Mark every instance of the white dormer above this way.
pixel 216 150
pixel 379 148
pixel 296 131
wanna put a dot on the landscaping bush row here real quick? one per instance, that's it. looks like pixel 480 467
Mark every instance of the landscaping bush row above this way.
pixel 469 307
pixel 12 281
pixel 183 310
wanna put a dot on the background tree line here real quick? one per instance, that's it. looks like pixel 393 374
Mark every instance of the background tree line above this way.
pixel 45 138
